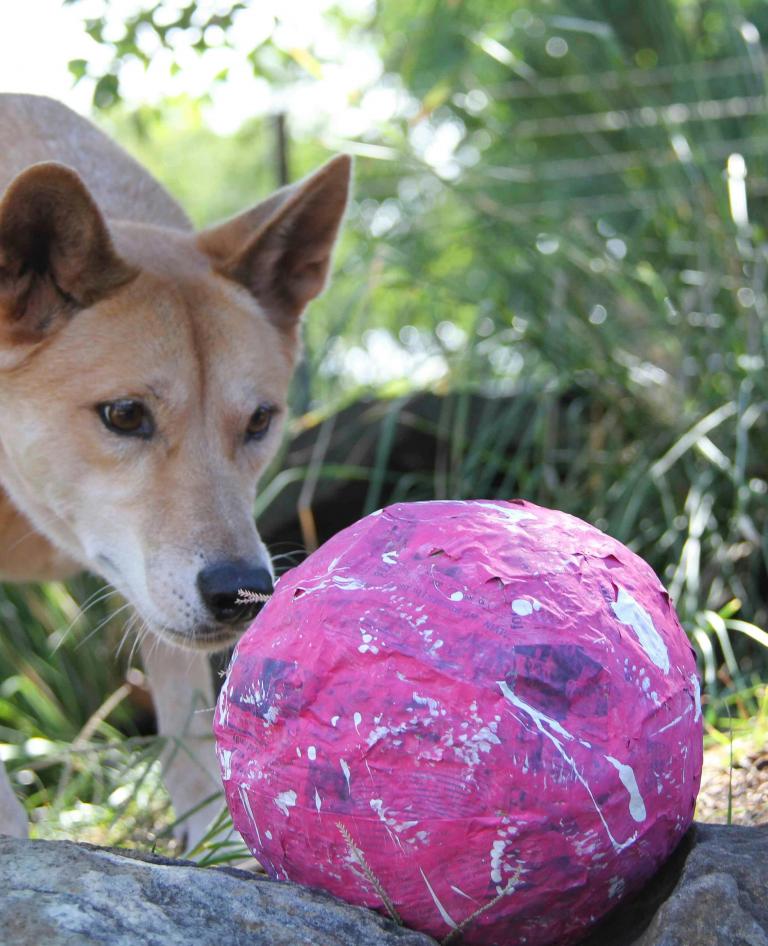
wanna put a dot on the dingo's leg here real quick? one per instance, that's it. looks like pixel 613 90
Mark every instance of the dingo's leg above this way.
pixel 182 691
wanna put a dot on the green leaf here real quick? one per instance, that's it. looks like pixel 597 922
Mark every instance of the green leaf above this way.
pixel 107 91
pixel 78 68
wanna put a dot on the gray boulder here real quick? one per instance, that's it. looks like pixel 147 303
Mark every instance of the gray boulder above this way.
pixel 713 891
pixel 62 894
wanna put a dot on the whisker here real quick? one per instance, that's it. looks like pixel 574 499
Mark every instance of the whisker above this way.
pixel 155 644
pixel 102 589
pixel 133 625
pixel 141 636
pixel 101 624
pixel 101 594
pixel 299 554
pixel 130 625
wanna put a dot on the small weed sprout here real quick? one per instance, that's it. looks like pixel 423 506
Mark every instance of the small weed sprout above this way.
pixel 453 936
pixel 251 597
pixel 358 855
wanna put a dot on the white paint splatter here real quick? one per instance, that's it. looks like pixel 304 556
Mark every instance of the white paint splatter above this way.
pixel 311 753
pixel 268 834
pixel 539 720
pixel 628 780
pixel 389 558
pixel 345 583
pixel 367 646
pixel 535 714
pixel 357 719
pixel 427 701
pixel 342 582
pixel 285 800
pixel 391 823
pixel 441 909
pixel 639 675
pixel 334 720
pixel 522 607
pixel 270 717
pixel 318 801
pixel 224 707
pixel 471 744
pixel 457 596
pixel 629 612
pixel 248 810
pixel 497 853
pixel 380 732
pixel 461 893
pixel 225 758
pixel 674 722
pixel 513 516
pixel 345 770
pixel 696 696
pixel 587 843
pixel 616 888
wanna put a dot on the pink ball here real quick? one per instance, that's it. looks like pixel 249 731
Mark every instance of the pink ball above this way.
pixel 478 704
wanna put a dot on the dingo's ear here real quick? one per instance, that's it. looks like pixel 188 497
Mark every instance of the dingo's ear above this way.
pixel 56 255
pixel 280 250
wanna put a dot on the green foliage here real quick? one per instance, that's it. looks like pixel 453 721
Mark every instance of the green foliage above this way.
pixel 160 26
pixel 227 175
pixel 55 664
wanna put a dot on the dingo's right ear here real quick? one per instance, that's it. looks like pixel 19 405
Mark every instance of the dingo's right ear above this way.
pixel 56 254
pixel 280 250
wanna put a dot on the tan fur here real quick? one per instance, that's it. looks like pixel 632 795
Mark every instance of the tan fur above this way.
pixel 107 293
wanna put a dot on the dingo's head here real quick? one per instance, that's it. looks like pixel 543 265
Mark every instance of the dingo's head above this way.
pixel 143 382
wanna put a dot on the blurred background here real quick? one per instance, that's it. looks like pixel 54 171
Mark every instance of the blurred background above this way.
pixel 552 284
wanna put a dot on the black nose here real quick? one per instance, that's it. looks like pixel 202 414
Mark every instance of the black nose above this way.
pixel 220 586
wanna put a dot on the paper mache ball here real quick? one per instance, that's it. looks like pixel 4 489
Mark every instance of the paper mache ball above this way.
pixel 485 713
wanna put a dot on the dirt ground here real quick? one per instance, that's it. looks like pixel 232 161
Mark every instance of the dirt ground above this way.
pixel 748 780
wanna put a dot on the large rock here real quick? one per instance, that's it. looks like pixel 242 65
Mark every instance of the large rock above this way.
pixel 713 891
pixel 62 894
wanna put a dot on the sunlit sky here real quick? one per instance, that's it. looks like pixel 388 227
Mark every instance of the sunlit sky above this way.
pixel 39 37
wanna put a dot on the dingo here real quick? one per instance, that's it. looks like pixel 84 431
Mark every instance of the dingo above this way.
pixel 144 370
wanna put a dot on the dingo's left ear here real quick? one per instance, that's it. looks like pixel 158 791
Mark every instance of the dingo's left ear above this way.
pixel 280 250
pixel 56 254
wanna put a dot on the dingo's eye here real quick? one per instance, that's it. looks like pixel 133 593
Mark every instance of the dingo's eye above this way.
pixel 126 417
pixel 259 423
